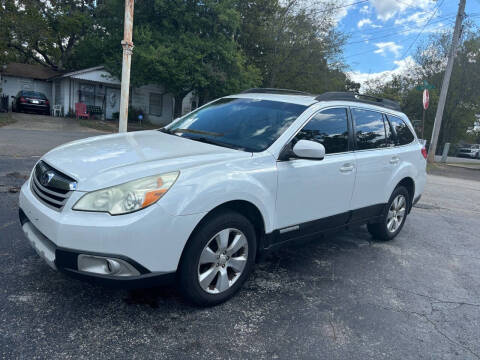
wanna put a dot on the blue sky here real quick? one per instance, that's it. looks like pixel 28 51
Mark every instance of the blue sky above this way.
pixel 383 32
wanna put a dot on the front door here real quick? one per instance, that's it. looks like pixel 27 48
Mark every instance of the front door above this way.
pixel 112 99
pixel 315 194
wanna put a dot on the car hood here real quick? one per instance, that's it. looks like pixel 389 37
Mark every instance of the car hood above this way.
pixel 108 160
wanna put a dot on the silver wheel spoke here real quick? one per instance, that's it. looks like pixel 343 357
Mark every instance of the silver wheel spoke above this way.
pixel 222 280
pixel 401 213
pixel 390 224
pixel 238 242
pixel 390 215
pixel 400 203
pixel 222 239
pixel 215 278
pixel 237 263
pixel 208 256
pixel 207 277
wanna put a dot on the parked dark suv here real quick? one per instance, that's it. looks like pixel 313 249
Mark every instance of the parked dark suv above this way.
pixel 31 101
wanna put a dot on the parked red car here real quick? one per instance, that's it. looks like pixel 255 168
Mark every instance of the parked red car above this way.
pixel 33 101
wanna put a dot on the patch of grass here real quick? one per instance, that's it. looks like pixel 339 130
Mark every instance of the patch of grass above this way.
pixel 112 126
pixel 99 125
pixel 6 119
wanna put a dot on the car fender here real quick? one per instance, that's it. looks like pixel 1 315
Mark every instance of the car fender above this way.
pixel 202 191
pixel 404 170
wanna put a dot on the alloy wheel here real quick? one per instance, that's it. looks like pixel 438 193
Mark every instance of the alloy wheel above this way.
pixel 222 261
pixel 396 213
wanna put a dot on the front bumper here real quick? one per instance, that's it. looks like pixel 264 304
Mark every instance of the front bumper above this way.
pixel 66 260
pixel 150 241
pixel 467 155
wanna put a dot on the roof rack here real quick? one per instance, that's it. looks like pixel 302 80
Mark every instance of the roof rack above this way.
pixel 353 96
pixel 274 91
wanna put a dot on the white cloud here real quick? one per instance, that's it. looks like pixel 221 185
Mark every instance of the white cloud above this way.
pixel 363 22
pixel 403 66
pixel 390 46
pixel 386 9
pixel 364 9
pixel 367 22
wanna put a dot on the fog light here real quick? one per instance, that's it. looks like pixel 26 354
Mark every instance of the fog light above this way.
pixel 105 266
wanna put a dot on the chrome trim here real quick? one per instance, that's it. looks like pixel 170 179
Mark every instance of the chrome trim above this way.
pixel 288 229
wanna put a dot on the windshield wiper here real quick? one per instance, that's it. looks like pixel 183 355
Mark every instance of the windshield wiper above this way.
pixel 215 142
pixel 199 132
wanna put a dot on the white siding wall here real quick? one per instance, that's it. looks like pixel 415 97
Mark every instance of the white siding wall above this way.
pixel 11 85
pixel 141 99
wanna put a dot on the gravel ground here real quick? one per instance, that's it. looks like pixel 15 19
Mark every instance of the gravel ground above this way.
pixel 343 297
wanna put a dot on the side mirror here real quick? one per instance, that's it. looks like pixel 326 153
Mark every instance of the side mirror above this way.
pixel 307 149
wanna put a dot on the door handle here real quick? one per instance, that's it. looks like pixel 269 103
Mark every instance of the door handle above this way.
pixel 348 167
pixel 394 160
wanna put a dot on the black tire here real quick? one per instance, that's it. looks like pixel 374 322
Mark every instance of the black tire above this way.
pixel 189 264
pixel 380 231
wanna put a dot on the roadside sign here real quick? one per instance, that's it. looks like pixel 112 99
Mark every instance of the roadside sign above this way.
pixel 426 99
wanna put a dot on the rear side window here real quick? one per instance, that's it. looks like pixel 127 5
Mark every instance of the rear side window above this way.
pixel 403 132
pixel 328 127
pixel 369 129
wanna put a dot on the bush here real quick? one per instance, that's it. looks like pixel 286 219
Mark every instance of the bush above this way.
pixel 133 114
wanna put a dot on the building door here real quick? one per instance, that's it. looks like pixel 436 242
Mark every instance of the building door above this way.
pixel 112 102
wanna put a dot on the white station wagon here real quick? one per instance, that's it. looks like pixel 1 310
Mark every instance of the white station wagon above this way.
pixel 197 201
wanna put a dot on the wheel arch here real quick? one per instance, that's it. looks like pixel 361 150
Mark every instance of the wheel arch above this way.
pixel 243 207
pixel 409 184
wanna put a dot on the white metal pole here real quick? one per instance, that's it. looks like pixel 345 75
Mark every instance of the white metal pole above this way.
pixel 127 45
pixel 437 125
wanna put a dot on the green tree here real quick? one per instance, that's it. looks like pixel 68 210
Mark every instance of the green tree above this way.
pixel 293 43
pixel 463 98
pixel 42 31
pixel 185 45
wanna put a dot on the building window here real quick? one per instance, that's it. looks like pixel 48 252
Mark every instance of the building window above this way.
pixel 156 104
pixel 87 94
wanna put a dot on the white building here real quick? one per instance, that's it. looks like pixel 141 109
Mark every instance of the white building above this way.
pixel 94 87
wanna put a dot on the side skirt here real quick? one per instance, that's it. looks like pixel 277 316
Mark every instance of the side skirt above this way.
pixel 319 228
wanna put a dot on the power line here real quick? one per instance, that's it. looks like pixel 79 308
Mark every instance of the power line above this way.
pixel 421 31
pixel 386 35
pixel 369 51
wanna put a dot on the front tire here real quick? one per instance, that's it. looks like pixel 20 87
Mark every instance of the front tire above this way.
pixel 217 259
pixel 394 216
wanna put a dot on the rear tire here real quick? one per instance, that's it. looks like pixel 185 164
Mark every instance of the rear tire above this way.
pixel 217 259
pixel 394 216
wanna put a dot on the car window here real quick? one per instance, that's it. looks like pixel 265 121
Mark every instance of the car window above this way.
pixel 246 124
pixel 369 129
pixel 390 136
pixel 33 94
pixel 403 132
pixel 328 127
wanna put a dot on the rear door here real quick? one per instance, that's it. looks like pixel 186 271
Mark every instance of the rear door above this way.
pixel 309 190
pixel 376 160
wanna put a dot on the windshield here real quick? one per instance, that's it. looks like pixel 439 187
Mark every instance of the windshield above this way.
pixel 33 94
pixel 245 124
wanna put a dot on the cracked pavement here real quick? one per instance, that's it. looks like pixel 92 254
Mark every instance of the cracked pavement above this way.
pixel 342 297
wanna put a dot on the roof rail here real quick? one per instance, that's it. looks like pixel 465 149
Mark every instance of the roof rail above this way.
pixel 274 91
pixel 353 96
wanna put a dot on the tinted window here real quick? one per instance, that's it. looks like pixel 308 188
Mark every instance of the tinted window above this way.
pixel 247 124
pixel 404 135
pixel 369 129
pixel 330 128
pixel 389 132
pixel 33 94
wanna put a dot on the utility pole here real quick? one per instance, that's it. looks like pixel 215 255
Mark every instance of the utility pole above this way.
pixel 446 80
pixel 127 45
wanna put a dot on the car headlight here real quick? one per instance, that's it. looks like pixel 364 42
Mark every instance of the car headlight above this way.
pixel 128 197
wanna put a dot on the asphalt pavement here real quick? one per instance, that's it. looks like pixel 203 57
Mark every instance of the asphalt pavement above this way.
pixel 343 297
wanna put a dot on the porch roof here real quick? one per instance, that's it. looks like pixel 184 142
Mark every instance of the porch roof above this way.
pixel 96 74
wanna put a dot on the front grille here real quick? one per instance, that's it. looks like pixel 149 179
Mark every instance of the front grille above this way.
pixel 50 186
